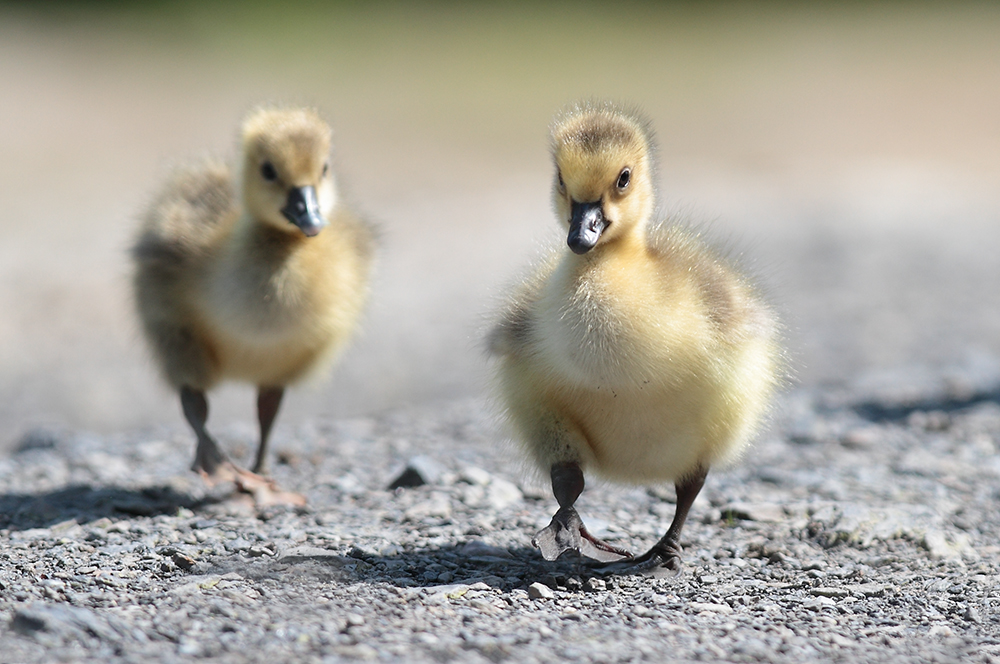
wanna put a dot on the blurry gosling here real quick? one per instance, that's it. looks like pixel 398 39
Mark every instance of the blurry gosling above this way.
pixel 637 354
pixel 259 279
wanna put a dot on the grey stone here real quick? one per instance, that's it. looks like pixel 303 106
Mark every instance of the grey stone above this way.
pixel 502 494
pixel 825 591
pixel 474 475
pixel 941 548
pixel 438 505
pixel 710 607
pixel 540 591
pixel 867 589
pixel 420 470
pixel 765 512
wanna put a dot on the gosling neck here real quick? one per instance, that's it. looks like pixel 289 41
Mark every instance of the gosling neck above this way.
pixel 260 241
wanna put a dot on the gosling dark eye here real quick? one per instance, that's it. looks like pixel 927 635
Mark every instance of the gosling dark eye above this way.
pixel 562 185
pixel 326 168
pixel 267 171
pixel 624 178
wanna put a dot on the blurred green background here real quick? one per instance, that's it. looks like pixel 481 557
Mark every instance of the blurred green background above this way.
pixel 849 151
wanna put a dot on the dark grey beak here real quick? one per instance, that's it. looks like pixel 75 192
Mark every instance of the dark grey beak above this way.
pixel 302 210
pixel 585 226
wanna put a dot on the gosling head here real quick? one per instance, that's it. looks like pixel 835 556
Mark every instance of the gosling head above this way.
pixel 604 173
pixel 287 181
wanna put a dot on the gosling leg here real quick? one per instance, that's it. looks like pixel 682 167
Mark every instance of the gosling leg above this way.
pixel 268 402
pixel 209 460
pixel 566 530
pixel 667 552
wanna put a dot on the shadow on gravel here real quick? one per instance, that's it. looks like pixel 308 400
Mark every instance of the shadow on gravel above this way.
pixel 881 412
pixel 83 503
pixel 446 568
pixel 472 562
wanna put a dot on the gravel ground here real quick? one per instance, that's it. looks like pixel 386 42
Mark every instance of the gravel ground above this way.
pixel 862 527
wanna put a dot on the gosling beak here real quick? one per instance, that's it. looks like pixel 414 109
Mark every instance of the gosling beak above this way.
pixel 302 210
pixel 585 226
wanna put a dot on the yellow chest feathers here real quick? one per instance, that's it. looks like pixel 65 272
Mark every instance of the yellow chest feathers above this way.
pixel 302 298
pixel 621 324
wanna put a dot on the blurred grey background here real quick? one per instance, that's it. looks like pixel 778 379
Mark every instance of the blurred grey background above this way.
pixel 850 152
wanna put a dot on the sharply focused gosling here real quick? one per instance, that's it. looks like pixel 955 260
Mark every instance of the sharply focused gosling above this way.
pixel 637 353
pixel 259 278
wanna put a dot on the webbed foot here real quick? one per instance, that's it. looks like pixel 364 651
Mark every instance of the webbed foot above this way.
pixel 566 532
pixel 664 559
pixel 265 491
pixel 661 561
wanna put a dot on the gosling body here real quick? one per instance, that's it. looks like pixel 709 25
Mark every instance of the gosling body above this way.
pixel 257 275
pixel 636 353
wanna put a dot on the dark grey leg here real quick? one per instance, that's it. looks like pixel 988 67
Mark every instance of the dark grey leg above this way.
pixel 268 402
pixel 208 458
pixel 667 552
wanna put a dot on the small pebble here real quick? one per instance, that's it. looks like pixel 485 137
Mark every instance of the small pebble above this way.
pixel 420 470
pixel 825 591
pixel 183 561
pixel 540 591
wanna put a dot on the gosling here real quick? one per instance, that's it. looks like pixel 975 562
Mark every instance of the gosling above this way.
pixel 638 354
pixel 259 280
